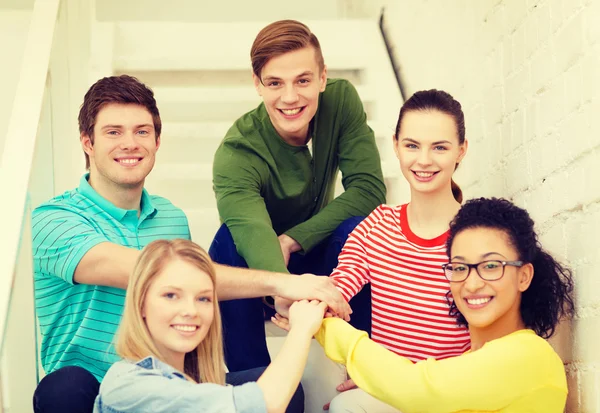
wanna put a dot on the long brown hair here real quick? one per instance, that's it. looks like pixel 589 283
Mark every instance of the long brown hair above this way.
pixel 205 364
pixel 441 101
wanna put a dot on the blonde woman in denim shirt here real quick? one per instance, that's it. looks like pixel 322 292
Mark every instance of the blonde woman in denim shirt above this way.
pixel 171 343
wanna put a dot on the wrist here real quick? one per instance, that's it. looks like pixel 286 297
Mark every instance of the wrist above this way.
pixel 291 244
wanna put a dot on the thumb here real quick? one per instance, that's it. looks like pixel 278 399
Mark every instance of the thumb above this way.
pixel 346 385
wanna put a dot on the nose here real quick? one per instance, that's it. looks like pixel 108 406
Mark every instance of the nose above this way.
pixel 424 157
pixel 129 141
pixel 473 281
pixel 289 95
pixel 189 308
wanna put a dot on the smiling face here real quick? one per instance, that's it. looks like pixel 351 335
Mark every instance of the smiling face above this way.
pixel 290 85
pixel 124 147
pixel 428 149
pixel 489 304
pixel 179 309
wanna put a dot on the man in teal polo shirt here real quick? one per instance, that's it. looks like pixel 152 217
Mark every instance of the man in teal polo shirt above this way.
pixel 87 240
pixel 274 178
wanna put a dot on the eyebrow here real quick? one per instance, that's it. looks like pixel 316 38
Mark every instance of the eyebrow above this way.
pixel 172 287
pixel 305 73
pixel 486 255
pixel 143 125
pixel 433 143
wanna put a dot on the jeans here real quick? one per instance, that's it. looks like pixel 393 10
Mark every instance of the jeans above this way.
pixel 73 389
pixel 243 320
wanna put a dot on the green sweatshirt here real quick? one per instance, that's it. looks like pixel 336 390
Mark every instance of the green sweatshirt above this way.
pixel 266 187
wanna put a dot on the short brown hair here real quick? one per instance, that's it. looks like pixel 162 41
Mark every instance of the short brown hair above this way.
pixel 281 37
pixel 122 89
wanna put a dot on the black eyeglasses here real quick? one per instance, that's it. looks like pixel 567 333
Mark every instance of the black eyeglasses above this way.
pixel 490 270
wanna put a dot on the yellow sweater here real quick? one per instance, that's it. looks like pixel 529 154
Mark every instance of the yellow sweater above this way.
pixel 517 373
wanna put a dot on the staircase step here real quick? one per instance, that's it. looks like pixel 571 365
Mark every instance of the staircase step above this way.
pixel 226 46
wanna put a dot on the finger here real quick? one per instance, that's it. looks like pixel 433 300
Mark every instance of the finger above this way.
pixel 283 326
pixel 322 306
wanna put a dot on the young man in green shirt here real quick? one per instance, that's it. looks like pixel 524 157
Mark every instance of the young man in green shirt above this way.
pixel 274 178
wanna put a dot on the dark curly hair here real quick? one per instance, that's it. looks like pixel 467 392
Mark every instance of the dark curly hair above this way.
pixel 548 298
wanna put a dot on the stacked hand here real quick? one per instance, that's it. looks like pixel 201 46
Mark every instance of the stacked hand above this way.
pixel 306 316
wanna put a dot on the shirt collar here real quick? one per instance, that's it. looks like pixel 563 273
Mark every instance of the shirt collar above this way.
pixel 147 207
pixel 152 363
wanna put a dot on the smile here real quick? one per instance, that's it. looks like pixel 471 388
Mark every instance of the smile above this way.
pixel 479 302
pixel 424 176
pixel 292 112
pixel 185 328
pixel 129 161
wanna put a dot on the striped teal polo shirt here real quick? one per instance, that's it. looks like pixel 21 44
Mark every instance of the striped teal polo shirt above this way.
pixel 77 321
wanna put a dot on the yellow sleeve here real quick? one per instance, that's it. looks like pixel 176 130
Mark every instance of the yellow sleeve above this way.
pixel 489 379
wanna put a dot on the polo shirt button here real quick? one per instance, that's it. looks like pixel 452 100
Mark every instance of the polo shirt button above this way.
pixel 315 180
pixel 316 199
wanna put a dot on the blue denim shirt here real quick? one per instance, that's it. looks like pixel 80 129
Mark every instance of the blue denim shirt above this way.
pixel 153 386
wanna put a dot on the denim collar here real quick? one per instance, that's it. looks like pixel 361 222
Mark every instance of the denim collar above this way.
pixel 152 363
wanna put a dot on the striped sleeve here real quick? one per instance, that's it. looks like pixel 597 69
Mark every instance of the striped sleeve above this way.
pixel 60 240
pixel 353 272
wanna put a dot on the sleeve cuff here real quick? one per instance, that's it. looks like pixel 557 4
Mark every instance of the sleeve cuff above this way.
pixel 249 398
pixel 78 255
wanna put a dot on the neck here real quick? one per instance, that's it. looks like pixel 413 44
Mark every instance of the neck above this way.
pixel 502 327
pixel 129 198
pixel 297 139
pixel 432 209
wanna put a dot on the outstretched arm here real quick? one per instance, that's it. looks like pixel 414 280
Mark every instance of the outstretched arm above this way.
pixel 489 379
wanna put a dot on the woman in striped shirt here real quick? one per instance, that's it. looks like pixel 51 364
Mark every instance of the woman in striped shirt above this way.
pixel 399 249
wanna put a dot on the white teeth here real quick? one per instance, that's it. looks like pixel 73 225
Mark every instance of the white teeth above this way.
pixel 291 112
pixel 424 174
pixel 478 301
pixel 185 328
pixel 129 161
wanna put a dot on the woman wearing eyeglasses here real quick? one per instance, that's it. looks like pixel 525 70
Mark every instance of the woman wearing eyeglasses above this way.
pixel 510 293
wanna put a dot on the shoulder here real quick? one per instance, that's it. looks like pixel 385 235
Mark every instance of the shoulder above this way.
pixel 71 205
pixel 164 205
pixel 340 91
pixel 382 216
pixel 533 351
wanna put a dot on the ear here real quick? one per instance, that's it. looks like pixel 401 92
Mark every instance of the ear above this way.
pixel 157 142
pixel 525 276
pixel 257 84
pixel 86 143
pixel 462 151
pixel 143 311
pixel 323 79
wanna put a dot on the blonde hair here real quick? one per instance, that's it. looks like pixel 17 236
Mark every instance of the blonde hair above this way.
pixel 205 364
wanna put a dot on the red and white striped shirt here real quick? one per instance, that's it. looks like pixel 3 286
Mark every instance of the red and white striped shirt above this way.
pixel 408 286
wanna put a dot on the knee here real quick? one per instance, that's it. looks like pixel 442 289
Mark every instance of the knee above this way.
pixel 223 250
pixel 65 388
pixel 345 403
pixel 346 227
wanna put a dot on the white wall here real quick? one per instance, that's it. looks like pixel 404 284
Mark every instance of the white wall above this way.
pixel 528 76
pixel 13 33
pixel 217 11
